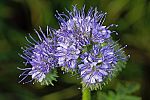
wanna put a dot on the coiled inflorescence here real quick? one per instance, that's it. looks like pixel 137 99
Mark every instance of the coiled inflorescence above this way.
pixel 41 56
pixel 82 45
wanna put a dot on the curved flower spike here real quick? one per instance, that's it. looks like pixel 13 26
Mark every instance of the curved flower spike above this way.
pixel 100 64
pixel 40 55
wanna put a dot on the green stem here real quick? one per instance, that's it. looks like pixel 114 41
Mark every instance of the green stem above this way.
pixel 86 95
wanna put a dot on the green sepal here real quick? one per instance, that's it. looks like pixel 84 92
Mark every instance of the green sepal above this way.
pixel 50 77
pixel 87 48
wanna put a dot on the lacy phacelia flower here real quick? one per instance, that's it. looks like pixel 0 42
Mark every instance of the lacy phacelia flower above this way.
pixel 41 56
pixel 82 45
pixel 85 28
pixel 98 64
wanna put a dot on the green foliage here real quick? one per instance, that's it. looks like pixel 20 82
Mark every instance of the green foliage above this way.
pixel 122 92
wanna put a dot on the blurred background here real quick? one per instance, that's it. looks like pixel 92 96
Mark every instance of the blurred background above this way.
pixel 20 17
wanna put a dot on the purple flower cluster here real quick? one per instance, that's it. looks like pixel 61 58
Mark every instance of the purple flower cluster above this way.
pixel 97 64
pixel 40 55
pixel 82 44
pixel 84 28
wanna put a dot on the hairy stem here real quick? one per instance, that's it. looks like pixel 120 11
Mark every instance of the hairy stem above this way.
pixel 86 95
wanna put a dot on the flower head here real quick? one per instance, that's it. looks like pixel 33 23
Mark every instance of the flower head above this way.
pixel 41 57
pixel 85 28
pixel 98 64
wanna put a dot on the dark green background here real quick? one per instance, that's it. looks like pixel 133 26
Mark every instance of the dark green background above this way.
pixel 20 17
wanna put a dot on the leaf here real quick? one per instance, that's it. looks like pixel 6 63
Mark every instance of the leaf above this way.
pixel 127 88
pixel 122 92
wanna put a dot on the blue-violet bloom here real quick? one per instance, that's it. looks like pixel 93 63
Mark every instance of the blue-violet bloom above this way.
pixel 40 54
